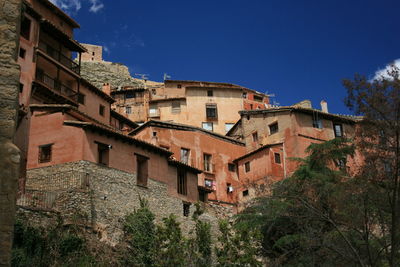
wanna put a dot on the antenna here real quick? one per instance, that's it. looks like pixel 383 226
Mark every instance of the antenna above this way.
pixel 143 77
pixel 166 76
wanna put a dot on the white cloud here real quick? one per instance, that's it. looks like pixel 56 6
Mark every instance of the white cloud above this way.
pixel 96 6
pixel 68 5
pixel 73 6
pixel 383 73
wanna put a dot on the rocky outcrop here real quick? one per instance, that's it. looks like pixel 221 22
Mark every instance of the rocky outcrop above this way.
pixel 115 74
pixel 9 153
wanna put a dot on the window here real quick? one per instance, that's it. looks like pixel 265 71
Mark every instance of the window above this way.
pixel 179 86
pixel 26 28
pixel 273 128
pixel 182 183
pixel 154 91
pixel 176 106
pixel 228 126
pixel 211 111
pixel 258 98
pixel 208 183
pixel 255 137
pixel 101 110
pixel 247 166
pixel 128 110
pixel 129 95
pixel 317 123
pixel 231 167
pixel 277 158
pixel 185 155
pixel 210 93
pixel 244 95
pixel 245 193
pixel 142 170
pixel 251 106
pixel 207 158
pixel 208 126
pixel 103 153
pixel 186 209
pixel 154 134
pixel 341 163
pixel 21 87
pixel 229 188
pixel 338 129
pixel 153 110
pixel 22 52
pixel 45 153
pixel 92 53
pixel 81 98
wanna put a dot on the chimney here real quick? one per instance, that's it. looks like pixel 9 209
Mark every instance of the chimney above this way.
pixel 107 88
pixel 324 106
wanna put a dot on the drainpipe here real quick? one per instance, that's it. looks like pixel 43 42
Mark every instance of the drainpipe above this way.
pixel 284 160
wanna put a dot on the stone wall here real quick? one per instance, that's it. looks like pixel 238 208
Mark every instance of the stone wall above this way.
pixel 103 196
pixel 10 11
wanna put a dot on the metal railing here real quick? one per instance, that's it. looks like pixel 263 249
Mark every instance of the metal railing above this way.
pixel 60 57
pixel 56 85
pixel 42 192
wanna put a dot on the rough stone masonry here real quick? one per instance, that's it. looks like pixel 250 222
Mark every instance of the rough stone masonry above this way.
pixel 10 11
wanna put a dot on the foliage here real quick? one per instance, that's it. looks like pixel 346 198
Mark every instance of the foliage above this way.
pixel 237 247
pixel 141 232
pixel 378 101
pixel 36 246
pixel 302 222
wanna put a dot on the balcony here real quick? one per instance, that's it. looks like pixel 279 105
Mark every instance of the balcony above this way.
pixel 56 86
pixel 58 56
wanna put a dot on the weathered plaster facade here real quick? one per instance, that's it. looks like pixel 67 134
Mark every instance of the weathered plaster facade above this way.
pixel 207 151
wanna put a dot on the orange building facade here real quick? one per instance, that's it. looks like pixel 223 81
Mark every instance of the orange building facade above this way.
pixel 210 152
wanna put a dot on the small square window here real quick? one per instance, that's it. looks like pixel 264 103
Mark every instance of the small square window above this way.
pixel 45 153
pixel 207 126
pixel 154 134
pixel 186 209
pixel 273 128
pixel 338 129
pixel 229 188
pixel 210 93
pixel 207 159
pixel 247 166
pixel 255 137
pixel 211 111
pixel 101 110
pixel 245 193
pixel 22 52
pixel 208 183
pixel 179 86
pixel 231 167
pixel 81 98
pixel 128 110
pixel 277 158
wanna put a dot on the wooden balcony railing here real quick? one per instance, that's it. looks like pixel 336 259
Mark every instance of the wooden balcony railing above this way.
pixel 56 85
pixel 57 55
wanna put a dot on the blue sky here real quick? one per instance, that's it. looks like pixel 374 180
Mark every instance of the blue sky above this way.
pixel 294 49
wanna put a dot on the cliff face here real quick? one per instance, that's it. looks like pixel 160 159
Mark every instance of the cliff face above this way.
pixel 115 74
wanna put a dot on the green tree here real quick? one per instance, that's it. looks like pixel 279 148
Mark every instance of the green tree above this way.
pixel 170 244
pixel 378 101
pixel 237 246
pixel 141 234
pixel 307 219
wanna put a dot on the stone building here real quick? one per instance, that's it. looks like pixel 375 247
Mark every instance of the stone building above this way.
pixel 275 136
pixel 216 105
pixel 66 122
pixel 210 152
